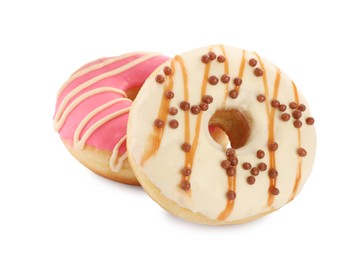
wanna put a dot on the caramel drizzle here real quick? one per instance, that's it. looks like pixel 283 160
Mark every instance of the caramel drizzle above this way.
pixel 230 203
pixel 186 98
pixel 271 138
pixel 298 174
pixel 271 124
pixel 157 134
pixel 232 179
pixel 189 156
pixel 226 71
pixel 241 68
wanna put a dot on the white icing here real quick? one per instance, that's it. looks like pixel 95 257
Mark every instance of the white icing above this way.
pixel 209 182
pixel 80 143
pixel 116 164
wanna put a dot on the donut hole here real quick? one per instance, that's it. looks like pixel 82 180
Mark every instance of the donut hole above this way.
pixel 132 93
pixel 230 127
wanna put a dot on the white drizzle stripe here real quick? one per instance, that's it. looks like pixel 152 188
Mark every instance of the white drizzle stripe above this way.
pixel 97 66
pixel 58 124
pixel 116 166
pixel 79 143
pixel 98 78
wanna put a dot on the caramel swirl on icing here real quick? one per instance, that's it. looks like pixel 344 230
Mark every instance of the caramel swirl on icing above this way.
pixel 157 134
pixel 271 122
pixel 241 68
pixel 232 179
pixel 271 138
pixel 189 157
pixel 226 72
pixel 230 203
pixel 298 172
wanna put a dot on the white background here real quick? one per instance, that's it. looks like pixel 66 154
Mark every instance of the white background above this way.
pixel 51 207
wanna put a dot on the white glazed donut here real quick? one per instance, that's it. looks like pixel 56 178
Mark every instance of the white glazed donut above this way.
pixel 178 126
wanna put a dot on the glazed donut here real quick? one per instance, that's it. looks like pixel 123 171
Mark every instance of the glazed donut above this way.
pixel 219 135
pixel 92 111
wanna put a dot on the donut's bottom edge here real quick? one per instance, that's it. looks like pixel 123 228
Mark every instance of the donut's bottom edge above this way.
pixel 173 208
pixel 98 162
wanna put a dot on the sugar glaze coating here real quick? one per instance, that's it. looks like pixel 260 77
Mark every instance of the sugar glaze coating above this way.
pixel 256 184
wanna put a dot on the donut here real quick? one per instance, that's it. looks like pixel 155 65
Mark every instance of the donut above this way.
pixel 92 110
pixel 225 137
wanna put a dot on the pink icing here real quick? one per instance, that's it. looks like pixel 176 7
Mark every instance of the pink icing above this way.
pixel 108 134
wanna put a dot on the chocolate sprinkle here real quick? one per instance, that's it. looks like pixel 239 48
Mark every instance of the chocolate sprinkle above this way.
pixel 258 72
pixel 212 55
pixel 233 160
pixel 221 59
pixel 273 146
pixel 302 107
pixel 231 195
pixel 255 171
pixel 252 62
pixel 301 152
pixel 237 81
pixel 158 123
pixel 195 110
pixel 186 147
pixel 174 123
pixel 225 78
pixel 233 94
pixel 173 111
pixel 205 58
pixel 246 165
pixel 296 114
pixel 184 105
pixel 251 180
pixel 167 70
pixel 275 103
pixel 169 94
pixel 225 164
pixel 272 173
pixel 261 98
pixel 231 171
pixel 230 152
pixel 159 78
pixel 274 191
pixel 310 120
pixel 207 99
pixel 285 117
pixel 262 167
pixel 213 80
pixel 185 185
pixel 260 154
pixel 293 105
pixel 186 171
pixel 203 106
pixel 282 108
pixel 297 123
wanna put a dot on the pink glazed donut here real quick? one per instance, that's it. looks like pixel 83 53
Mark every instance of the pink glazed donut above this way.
pixel 93 108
